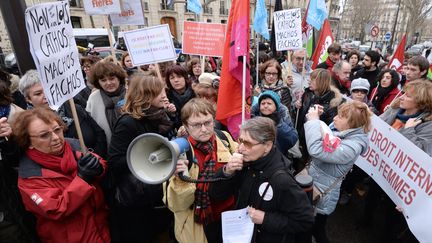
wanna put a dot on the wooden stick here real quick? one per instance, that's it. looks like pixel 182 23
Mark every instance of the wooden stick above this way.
pixel 158 72
pixel 289 64
pixel 111 41
pixel 203 64
pixel 77 125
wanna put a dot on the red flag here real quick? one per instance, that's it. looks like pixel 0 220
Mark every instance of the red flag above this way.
pixel 307 33
pixel 398 57
pixel 229 104
pixel 325 40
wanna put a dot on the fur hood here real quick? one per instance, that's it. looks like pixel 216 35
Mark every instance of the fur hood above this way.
pixel 14 83
pixel 338 99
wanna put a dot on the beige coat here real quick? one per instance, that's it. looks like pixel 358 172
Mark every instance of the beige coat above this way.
pixel 181 196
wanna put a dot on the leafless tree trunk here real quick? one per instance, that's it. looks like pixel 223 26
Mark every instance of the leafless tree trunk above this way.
pixel 418 11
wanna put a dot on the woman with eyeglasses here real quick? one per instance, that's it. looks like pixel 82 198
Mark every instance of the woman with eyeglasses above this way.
pixel 59 184
pixel 261 179
pixel 197 214
pixel 320 92
pixel 137 213
pixel 386 91
pixel 94 137
pixel 271 79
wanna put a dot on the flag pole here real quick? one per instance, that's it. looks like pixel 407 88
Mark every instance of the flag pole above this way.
pixel 244 90
pixel 302 84
pixel 257 62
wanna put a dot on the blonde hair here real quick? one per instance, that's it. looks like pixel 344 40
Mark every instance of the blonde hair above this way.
pixel 141 92
pixel 357 113
pixel 421 92
pixel 195 107
pixel 322 79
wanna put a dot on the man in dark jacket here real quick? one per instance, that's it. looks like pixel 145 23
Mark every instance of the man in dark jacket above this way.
pixel 370 68
pixel 341 75
pixel 261 180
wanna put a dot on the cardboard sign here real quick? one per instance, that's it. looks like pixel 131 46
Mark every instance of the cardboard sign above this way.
pixel 132 14
pixel 404 172
pixel 150 45
pixel 54 51
pixel 204 39
pixel 288 29
pixel 94 7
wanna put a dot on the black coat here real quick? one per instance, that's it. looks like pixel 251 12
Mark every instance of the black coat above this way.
pixel 287 212
pixel 371 76
pixel 179 100
pixel 133 215
pixel 11 205
pixel 94 135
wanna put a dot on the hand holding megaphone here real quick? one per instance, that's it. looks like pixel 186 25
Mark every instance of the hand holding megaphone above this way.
pixel 182 166
pixel 234 163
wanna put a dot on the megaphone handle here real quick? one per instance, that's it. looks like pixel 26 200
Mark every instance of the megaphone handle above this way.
pixel 186 172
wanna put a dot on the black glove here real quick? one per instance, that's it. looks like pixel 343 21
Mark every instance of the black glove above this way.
pixel 89 167
pixel 275 117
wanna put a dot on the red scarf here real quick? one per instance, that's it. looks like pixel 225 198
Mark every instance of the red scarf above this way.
pixel 64 163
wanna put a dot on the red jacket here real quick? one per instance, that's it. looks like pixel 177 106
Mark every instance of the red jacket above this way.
pixel 67 208
pixel 390 97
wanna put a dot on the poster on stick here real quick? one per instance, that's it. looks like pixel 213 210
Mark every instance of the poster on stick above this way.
pixel 150 45
pixel 95 7
pixel 288 29
pixel 204 39
pixel 404 172
pixel 131 14
pixel 54 51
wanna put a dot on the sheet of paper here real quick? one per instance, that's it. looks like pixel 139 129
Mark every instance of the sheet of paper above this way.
pixel 237 226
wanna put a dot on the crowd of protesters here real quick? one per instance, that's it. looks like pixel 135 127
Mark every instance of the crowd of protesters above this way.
pixel 53 190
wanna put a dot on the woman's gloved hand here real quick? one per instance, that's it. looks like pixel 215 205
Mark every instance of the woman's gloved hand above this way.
pixel 89 167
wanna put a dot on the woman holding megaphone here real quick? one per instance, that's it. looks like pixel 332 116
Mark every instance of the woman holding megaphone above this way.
pixel 137 212
pixel 197 215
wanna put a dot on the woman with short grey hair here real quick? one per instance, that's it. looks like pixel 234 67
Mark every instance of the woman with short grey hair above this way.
pixel 261 179
pixel 94 137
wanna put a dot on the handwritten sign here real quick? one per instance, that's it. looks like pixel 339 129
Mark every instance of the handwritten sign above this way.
pixel 150 45
pixel 404 172
pixel 132 14
pixel 288 30
pixel 54 51
pixel 203 39
pixel 94 7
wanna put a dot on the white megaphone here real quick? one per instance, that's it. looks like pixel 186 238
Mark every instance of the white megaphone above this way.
pixel 152 158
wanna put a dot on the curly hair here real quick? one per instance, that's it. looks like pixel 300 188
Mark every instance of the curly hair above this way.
pixel 104 69
pixel 394 76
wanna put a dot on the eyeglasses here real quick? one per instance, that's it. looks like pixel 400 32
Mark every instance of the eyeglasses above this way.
pixel 245 143
pixel 299 59
pixel 359 90
pixel 48 134
pixel 86 67
pixel 271 74
pixel 206 124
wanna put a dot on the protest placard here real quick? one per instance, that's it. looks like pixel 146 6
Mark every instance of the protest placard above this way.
pixel 404 172
pixel 150 45
pixel 131 14
pixel 54 51
pixel 288 29
pixel 205 39
pixel 94 7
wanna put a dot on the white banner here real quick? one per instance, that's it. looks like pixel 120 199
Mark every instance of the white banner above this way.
pixel 54 51
pixel 94 7
pixel 150 45
pixel 404 172
pixel 131 14
pixel 288 30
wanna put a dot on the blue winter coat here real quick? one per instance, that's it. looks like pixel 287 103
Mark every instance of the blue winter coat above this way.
pixel 327 167
pixel 286 133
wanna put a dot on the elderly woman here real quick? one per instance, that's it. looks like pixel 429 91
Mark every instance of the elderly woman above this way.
pixel 269 105
pixel 133 202
pixel 386 91
pixel 58 183
pixel 103 104
pixel 197 214
pixel 94 136
pixel 328 167
pixel 261 180
pixel 271 79
pixel 320 92
pixel 179 91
